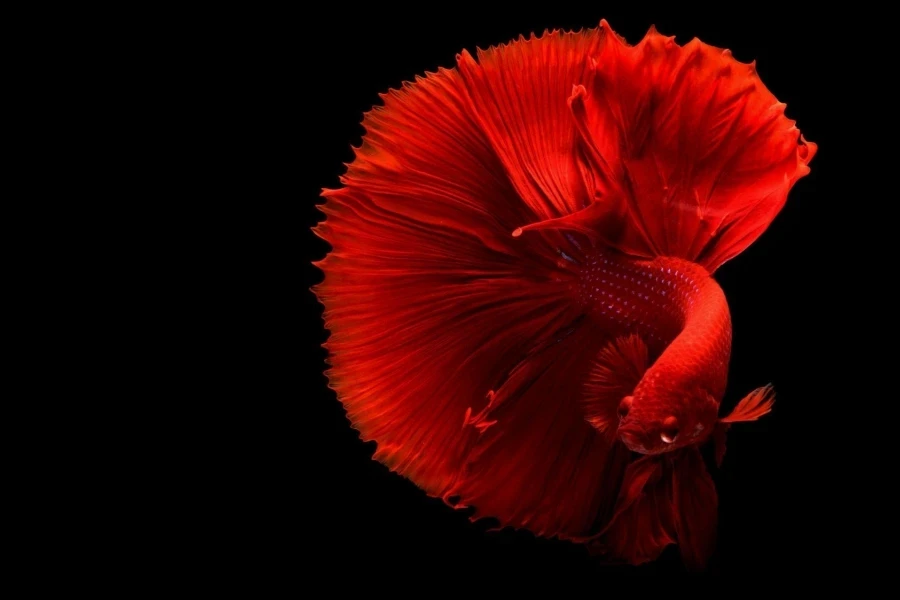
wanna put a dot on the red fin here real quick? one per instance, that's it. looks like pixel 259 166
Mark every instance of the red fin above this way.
pixel 518 92
pixel 696 508
pixel 663 500
pixel 429 300
pixel 600 221
pixel 689 142
pixel 754 405
pixel 642 525
pixel 616 371
pixel 540 466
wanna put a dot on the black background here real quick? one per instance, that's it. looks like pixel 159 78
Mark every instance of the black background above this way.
pixel 781 479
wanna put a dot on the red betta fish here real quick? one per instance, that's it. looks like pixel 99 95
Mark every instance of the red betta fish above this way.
pixel 520 295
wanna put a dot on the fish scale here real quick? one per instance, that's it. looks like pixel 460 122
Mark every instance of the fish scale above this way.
pixel 648 297
pixel 682 315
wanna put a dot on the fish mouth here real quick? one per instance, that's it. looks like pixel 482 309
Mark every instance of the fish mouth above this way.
pixel 633 435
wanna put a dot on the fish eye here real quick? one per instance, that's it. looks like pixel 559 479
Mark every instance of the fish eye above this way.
pixel 669 430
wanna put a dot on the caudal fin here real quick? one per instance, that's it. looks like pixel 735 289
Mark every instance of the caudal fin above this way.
pixel 688 153
pixel 454 345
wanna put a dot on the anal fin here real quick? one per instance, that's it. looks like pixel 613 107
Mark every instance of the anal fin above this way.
pixel 663 500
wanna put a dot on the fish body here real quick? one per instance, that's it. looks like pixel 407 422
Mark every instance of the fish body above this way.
pixel 679 311
pixel 520 293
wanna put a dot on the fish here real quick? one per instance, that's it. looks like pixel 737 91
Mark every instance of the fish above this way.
pixel 520 292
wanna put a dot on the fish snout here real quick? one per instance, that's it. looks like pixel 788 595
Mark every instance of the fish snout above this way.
pixel 633 435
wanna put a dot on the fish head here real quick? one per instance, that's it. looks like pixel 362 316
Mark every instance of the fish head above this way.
pixel 651 422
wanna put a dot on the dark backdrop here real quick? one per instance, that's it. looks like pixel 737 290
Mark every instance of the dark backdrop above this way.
pixel 777 487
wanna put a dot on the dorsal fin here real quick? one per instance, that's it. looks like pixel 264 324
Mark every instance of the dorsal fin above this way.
pixel 616 371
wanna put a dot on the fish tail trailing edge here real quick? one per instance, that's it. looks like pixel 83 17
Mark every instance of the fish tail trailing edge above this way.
pixel 446 332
